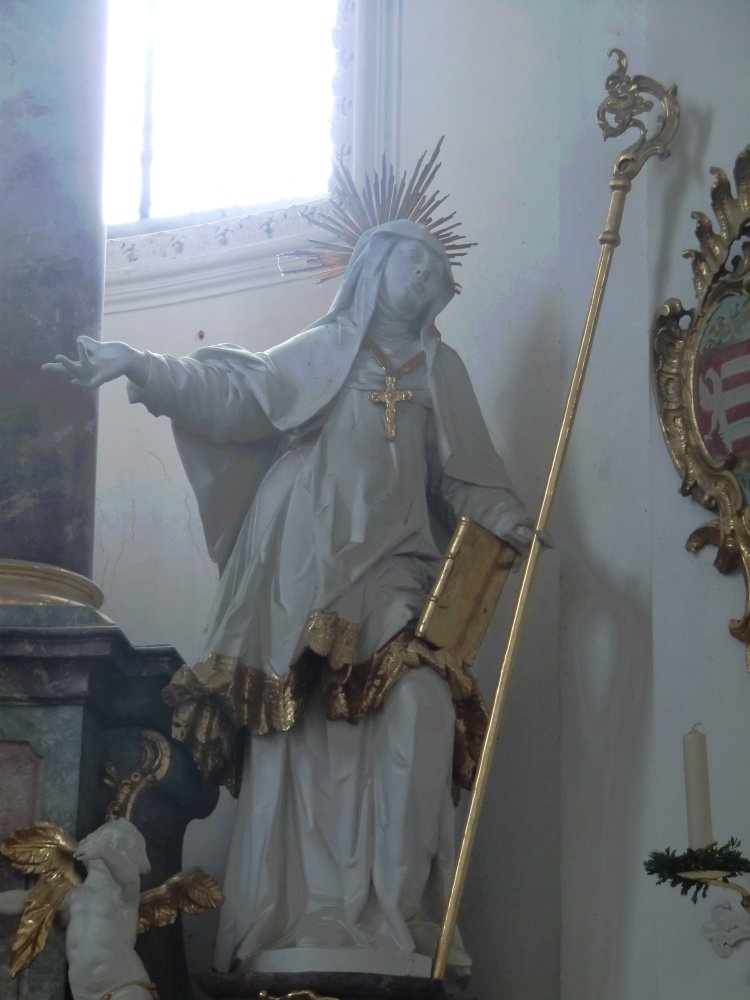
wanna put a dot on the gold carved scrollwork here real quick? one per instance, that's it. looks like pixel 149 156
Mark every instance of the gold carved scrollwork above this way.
pixel 156 756
pixel 701 367
pixel 619 112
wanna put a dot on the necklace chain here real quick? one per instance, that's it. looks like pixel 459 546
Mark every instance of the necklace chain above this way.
pixel 385 364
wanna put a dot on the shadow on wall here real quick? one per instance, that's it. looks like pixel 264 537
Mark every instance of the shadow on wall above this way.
pixel 531 404
pixel 515 866
pixel 606 696
pixel 603 666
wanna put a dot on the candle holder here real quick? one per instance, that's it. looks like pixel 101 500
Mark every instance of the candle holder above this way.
pixel 693 872
pixel 698 868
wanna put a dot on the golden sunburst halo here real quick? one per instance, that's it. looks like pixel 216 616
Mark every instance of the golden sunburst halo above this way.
pixel 350 213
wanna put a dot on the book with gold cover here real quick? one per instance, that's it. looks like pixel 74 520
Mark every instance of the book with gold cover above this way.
pixel 466 591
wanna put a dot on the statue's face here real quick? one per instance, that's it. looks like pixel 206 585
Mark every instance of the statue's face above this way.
pixel 412 277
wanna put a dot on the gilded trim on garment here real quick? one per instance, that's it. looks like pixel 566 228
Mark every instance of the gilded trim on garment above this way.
pixel 328 635
pixel 219 697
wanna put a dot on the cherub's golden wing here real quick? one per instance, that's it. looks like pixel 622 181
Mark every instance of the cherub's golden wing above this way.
pixel 187 892
pixel 39 912
pixel 46 850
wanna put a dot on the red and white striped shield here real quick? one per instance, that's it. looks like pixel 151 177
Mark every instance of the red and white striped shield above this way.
pixel 722 380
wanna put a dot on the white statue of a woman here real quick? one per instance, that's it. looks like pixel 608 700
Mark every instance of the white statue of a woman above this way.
pixel 329 471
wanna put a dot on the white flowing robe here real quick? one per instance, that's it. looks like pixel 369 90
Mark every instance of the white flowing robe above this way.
pixel 344 834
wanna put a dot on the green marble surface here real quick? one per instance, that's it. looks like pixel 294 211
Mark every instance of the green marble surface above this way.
pixel 55 734
pixel 81 696
pixel 50 615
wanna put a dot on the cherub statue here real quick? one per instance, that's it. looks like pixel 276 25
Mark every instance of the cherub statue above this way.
pixel 103 910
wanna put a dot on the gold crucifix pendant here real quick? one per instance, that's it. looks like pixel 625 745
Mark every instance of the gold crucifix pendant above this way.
pixel 389 397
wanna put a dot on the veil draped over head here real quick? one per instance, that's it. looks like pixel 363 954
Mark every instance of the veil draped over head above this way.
pixel 319 358
pixel 357 296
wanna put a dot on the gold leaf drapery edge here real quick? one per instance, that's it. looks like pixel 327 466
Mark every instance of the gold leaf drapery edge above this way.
pixel 220 697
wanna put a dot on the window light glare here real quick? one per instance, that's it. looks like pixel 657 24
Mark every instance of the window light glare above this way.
pixel 242 103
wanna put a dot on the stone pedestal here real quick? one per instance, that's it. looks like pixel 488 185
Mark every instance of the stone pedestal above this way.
pixel 321 986
pixel 83 725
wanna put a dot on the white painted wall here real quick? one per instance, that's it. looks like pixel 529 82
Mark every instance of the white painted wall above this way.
pixel 631 649
pixel 645 651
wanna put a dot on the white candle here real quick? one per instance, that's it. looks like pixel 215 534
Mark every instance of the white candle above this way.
pixel 700 830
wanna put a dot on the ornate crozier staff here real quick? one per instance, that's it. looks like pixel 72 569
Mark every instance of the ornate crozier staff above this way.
pixel 622 104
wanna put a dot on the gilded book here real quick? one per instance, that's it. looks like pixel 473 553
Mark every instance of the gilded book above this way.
pixel 466 591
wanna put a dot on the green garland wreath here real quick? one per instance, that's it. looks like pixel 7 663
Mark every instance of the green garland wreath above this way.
pixel 667 866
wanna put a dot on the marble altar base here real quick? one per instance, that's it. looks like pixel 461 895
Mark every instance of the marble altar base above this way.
pixel 372 960
pixel 82 721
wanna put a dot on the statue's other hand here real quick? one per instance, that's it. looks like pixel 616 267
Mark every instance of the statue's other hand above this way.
pixel 521 537
pixel 96 363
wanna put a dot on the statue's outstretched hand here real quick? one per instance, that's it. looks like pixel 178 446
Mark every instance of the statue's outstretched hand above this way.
pixel 98 363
